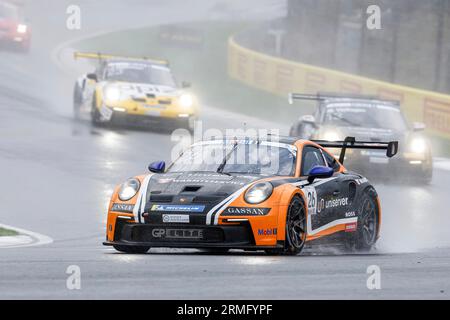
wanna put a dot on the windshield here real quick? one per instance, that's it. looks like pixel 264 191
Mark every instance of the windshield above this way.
pixel 9 12
pixel 139 73
pixel 264 158
pixel 364 115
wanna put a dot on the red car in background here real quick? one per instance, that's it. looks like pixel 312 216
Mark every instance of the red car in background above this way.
pixel 14 32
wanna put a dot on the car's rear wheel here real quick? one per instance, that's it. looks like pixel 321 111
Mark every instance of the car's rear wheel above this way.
pixel 295 229
pixel 132 249
pixel 366 233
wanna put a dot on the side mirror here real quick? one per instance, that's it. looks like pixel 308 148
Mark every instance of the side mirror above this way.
pixel 309 119
pixel 186 84
pixel 157 167
pixel 92 76
pixel 418 126
pixel 319 172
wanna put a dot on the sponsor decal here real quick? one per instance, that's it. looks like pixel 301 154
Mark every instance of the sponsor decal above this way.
pixel 177 233
pixel 244 211
pixel 210 181
pixel 267 232
pixel 177 207
pixel 350 214
pixel 333 203
pixel 175 218
pixel 350 227
pixel 437 115
pixel 361 181
pixel 122 207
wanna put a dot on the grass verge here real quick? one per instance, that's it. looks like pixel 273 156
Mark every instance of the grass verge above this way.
pixel 7 232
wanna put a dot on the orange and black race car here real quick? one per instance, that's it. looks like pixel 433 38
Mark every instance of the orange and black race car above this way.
pixel 251 194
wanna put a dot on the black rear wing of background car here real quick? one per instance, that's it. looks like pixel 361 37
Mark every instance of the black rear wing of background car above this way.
pixel 350 143
pixel 322 96
pixel 101 57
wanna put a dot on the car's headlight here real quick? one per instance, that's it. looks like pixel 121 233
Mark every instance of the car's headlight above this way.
pixel 331 135
pixel 112 94
pixel 129 189
pixel 418 145
pixel 22 28
pixel 258 193
pixel 186 100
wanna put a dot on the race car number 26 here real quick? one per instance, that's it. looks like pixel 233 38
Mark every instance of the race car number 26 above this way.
pixel 311 198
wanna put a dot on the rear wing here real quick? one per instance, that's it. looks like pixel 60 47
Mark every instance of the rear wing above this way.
pixel 350 143
pixel 100 56
pixel 322 96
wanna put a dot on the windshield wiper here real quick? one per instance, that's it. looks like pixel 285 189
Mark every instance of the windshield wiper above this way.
pixel 345 120
pixel 225 159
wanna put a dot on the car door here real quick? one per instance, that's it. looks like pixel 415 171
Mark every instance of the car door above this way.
pixel 321 194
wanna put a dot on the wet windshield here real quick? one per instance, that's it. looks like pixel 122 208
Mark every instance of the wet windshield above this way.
pixel 139 73
pixel 365 115
pixel 263 158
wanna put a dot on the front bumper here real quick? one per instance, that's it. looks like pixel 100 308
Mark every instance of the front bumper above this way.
pixel 185 236
pixel 126 119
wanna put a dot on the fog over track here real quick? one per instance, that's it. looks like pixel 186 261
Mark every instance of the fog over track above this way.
pixel 58 175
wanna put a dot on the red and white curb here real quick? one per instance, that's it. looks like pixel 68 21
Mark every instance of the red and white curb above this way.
pixel 25 238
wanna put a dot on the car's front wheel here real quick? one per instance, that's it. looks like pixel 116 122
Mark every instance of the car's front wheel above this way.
pixel 295 229
pixel 77 101
pixel 132 249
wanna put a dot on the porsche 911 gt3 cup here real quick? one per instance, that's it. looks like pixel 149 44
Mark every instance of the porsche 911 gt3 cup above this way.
pixel 133 91
pixel 251 194
pixel 371 119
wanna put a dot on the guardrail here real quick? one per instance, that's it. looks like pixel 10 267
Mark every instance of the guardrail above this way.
pixel 280 76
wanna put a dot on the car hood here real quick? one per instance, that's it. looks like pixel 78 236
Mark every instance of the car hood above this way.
pixel 142 90
pixel 196 183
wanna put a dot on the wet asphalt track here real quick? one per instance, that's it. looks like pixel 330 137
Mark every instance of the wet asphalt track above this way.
pixel 57 176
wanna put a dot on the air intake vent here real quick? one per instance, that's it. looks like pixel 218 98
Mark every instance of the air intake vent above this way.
pixel 191 188
pixel 151 95
pixel 139 99
pixel 161 198
pixel 164 101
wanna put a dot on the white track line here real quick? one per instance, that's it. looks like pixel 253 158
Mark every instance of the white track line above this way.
pixel 25 239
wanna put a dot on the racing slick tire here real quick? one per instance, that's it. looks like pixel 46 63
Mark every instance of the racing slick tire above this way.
pixel 132 249
pixel 95 114
pixel 77 100
pixel 366 233
pixel 295 229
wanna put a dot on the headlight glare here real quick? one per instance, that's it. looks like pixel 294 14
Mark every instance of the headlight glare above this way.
pixel 112 94
pixel 258 193
pixel 129 189
pixel 331 135
pixel 22 28
pixel 418 145
pixel 186 100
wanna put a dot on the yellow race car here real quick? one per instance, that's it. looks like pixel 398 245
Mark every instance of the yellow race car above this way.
pixel 133 91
